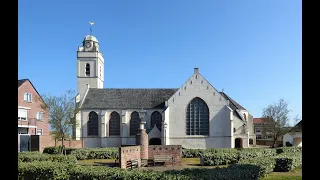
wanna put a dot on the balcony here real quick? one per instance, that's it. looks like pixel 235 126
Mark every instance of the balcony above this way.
pixel 29 122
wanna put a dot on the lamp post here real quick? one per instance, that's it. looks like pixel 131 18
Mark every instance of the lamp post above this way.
pixel 142 114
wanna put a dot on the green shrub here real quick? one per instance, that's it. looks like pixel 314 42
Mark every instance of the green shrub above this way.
pixel 57 150
pixel 197 153
pixel 256 152
pixel 265 164
pixel 102 172
pixel 95 153
pixel 286 162
pixel 29 157
pixel 192 153
pixel 43 170
pixel 219 158
pixel 240 172
pixel 53 170
pixel 289 150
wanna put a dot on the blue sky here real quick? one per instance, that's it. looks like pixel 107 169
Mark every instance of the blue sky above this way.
pixel 251 49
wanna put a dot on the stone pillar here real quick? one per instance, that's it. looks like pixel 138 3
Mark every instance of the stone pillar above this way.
pixel 142 140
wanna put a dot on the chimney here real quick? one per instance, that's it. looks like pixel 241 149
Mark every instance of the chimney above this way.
pixel 196 70
pixel 228 102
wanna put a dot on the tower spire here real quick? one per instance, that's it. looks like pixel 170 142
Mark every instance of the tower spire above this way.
pixel 91 24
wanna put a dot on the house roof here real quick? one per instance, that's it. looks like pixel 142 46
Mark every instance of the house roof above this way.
pixel 127 98
pixel 258 120
pixel 21 81
pixel 297 127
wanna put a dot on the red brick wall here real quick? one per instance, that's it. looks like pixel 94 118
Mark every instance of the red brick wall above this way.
pixel 47 141
pixel 267 142
pixel 175 150
pixel 35 107
pixel 127 153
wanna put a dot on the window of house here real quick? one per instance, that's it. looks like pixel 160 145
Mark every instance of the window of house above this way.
pixel 258 130
pixel 39 116
pixel 259 137
pixel 27 97
pixel 22 114
pixel 39 132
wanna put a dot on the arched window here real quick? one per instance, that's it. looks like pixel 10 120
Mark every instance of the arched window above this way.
pixel 156 119
pixel 87 69
pixel 134 123
pixel 197 118
pixel 114 124
pixel 93 124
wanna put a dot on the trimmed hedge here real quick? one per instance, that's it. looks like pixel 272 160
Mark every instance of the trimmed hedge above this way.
pixel 255 152
pixel 53 170
pixel 95 153
pixel 289 150
pixel 220 158
pixel 30 157
pixel 197 153
pixel 266 164
pixel 286 162
pixel 43 170
pixel 57 150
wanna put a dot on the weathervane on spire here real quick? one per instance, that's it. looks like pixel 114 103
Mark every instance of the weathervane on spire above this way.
pixel 91 24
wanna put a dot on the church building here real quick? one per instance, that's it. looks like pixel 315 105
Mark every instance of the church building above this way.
pixel 195 115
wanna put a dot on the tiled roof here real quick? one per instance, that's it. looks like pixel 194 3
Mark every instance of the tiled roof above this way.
pixel 21 81
pixel 127 98
pixel 258 120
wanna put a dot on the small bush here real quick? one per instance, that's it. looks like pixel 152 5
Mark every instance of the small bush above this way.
pixel 286 162
pixel 197 153
pixel 288 144
pixel 57 150
pixel 28 157
pixel 265 164
pixel 219 158
pixel 256 152
pixel 43 170
pixel 95 153
pixel 289 150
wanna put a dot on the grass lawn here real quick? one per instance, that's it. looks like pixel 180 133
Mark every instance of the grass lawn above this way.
pixel 195 163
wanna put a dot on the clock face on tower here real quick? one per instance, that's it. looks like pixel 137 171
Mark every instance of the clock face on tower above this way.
pixel 88 44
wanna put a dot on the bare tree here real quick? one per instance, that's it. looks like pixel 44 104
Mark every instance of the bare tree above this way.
pixel 62 109
pixel 276 119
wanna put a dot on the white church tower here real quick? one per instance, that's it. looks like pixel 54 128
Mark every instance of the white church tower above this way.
pixel 90 73
pixel 90 65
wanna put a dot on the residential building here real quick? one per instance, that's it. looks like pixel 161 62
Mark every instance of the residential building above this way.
pixel 261 129
pixel 294 136
pixel 32 118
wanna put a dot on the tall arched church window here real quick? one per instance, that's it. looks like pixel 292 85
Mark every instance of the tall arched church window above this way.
pixel 134 123
pixel 156 119
pixel 197 117
pixel 114 124
pixel 93 124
